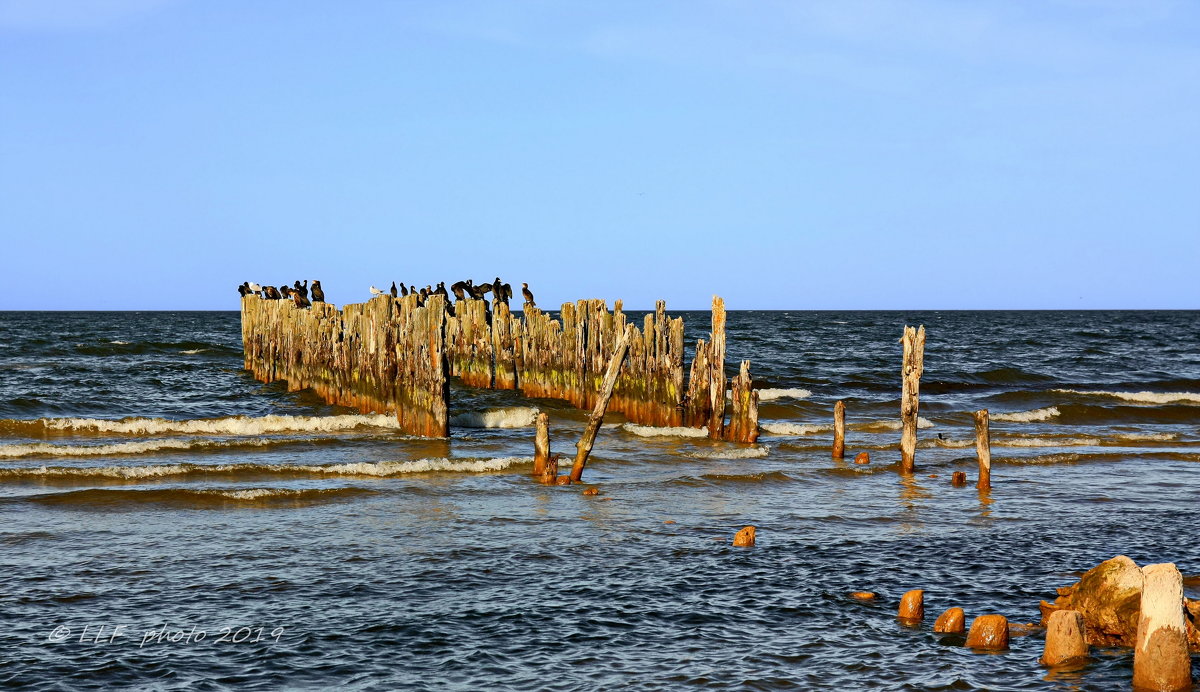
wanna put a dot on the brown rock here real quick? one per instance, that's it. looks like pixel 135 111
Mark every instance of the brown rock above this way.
pixel 744 538
pixel 863 595
pixel 591 491
pixel 1065 639
pixel 862 458
pixel 562 480
pixel 951 622
pixel 988 633
pixel 958 478
pixel 912 606
pixel 1109 596
pixel 933 475
pixel 669 521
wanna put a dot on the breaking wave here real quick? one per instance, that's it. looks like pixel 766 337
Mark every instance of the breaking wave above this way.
pixel 794 428
pixel 884 425
pixel 652 431
pixel 1036 415
pixel 1141 397
pixel 376 469
pixel 513 417
pixel 201 497
pixel 46 449
pixel 1147 437
pixel 231 425
pixel 1047 442
pixel 796 393
pixel 755 452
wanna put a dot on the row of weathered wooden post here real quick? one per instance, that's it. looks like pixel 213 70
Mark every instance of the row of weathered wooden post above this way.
pixel 395 354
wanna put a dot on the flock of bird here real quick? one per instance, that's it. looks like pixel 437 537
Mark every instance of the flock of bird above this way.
pixel 298 292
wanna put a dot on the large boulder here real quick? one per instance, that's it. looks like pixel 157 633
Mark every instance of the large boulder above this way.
pixel 1109 596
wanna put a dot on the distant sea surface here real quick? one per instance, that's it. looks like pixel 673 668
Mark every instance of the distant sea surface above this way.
pixel 148 483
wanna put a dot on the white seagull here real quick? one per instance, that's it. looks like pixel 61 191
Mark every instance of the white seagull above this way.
pixel 376 291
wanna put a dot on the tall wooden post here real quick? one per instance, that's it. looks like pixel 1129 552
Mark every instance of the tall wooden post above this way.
pixel 541 444
pixel 914 364
pixel 983 450
pixel 1160 657
pixel 716 365
pixel 584 446
pixel 839 429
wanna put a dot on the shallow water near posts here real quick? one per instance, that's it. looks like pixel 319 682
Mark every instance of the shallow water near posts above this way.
pixel 148 483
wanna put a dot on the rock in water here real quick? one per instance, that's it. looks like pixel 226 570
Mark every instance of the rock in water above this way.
pixel 953 621
pixel 1064 638
pixel 862 458
pixel 744 538
pixel 1109 596
pixel 988 633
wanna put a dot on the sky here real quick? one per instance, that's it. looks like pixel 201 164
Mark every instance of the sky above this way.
pixel 850 154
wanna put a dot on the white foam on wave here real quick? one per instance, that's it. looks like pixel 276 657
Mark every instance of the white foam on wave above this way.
pixel 948 443
pixel 232 425
pixel 46 449
pixel 796 393
pixel 1147 437
pixel 879 425
pixel 1047 442
pixel 652 431
pixel 794 428
pixel 1142 397
pixel 120 343
pixel 372 468
pixel 512 417
pixel 1036 415
pixel 193 351
pixel 755 452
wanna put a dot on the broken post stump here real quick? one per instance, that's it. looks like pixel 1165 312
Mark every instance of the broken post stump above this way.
pixel 744 538
pixel 983 450
pixel 862 458
pixel 914 358
pixel 988 633
pixel 953 621
pixel 588 439
pixel 1160 658
pixel 1065 638
pixel 716 369
pixel 839 430
pixel 912 607
pixel 743 417
pixel 541 444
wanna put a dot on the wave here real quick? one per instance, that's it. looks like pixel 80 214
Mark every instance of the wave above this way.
pixel 794 428
pixel 118 347
pixel 719 478
pixel 194 351
pixel 653 431
pixel 199 497
pixel 796 393
pixel 885 425
pixel 1081 457
pixel 1141 397
pixel 1047 442
pixel 376 469
pixel 513 417
pixel 231 425
pixel 46 449
pixel 755 452
pixel 1036 415
pixel 1147 437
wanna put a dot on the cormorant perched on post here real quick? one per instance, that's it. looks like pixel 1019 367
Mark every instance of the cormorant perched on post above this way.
pixel 498 291
pixel 244 289
pixel 507 293
pixel 441 289
pixel 528 294
pixel 403 289
pixel 458 288
pixel 395 291
pixel 302 290
pixel 317 293
pixel 299 299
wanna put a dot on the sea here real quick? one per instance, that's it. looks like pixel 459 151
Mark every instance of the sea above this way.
pixel 168 522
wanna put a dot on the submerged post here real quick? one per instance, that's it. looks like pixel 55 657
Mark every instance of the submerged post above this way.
pixel 914 357
pixel 839 429
pixel 983 450
pixel 1160 657
pixel 584 446
pixel 541 444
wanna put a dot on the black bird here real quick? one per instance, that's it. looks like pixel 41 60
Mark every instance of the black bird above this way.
pixel 395 291
pixel 302 290
pixel 244 289
pixel 403 289
pixel 299 299
pixel 507 293
pixel 498 291
pixel 317 293
pixel 528 294
pixel 441 289
pixel 458 288
pixel 285 292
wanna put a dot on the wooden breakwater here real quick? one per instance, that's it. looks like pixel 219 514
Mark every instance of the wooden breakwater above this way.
pixel 382 356
pixel 385 355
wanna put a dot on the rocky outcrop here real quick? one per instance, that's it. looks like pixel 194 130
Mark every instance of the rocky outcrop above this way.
pixel 1109 597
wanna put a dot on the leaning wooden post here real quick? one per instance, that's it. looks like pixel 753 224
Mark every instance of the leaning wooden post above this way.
pixel 584 446
pixel 1160 658
pixel 839 429
pixel 541 444
pixel 983 450
pixel 914 357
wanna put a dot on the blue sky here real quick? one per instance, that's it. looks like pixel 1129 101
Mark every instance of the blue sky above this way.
pixel 846 154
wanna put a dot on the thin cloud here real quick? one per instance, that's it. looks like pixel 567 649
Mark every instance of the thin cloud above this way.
pixel 73 15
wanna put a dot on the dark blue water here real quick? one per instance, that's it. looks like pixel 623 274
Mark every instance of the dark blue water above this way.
pixel 147 483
